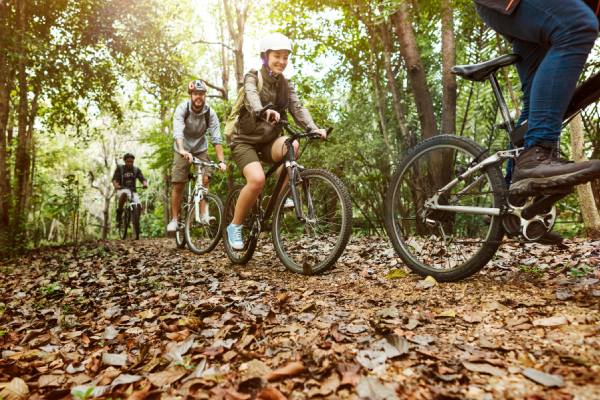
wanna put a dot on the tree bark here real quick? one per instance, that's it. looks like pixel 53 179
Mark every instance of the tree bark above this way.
pixel 416 72
pixel 391 82
pixel 591 217
pixel 236 31
pixel 22 157
pixel 448 78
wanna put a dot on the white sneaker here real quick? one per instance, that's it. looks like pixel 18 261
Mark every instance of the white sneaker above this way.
pixel 289 203
pixel 207 219
pixel 172 227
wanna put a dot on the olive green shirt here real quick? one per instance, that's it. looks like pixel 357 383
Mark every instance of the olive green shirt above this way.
pixel 254 130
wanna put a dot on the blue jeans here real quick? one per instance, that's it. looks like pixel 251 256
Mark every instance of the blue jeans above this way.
pixel 554 38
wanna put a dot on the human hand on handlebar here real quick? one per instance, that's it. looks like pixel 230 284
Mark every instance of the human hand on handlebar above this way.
pixel 222 166
pixel 271 116
pixel 187 155
pixel 322 132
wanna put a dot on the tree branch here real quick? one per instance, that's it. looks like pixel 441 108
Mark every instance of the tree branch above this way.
pixel 220 89
pixel 218 43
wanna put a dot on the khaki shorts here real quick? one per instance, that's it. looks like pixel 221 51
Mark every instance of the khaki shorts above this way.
pixel 244 153
pixel 180 173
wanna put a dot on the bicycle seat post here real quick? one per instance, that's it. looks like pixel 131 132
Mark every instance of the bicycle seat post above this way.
pixel 501 102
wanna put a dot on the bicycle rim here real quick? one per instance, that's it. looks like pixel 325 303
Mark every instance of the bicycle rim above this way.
pixel 447 245
pixel 314 245
pixel 203 236
pixel 249 232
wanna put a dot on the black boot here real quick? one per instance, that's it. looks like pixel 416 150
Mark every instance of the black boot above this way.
pixel 119 216
pixel 540 168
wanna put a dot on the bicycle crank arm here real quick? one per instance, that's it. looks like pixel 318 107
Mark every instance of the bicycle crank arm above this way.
pixel 542 205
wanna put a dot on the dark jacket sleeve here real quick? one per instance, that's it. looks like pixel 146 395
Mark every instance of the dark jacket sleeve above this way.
pixel 140 176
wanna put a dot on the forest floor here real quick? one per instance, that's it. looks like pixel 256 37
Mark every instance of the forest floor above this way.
pixel 143 320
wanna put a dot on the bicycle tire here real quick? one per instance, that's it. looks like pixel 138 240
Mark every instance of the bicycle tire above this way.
pixel 180 239
pixel 213 231
pixel 298 243
pixel 135 220
pixel 407 245
pixel 251 238
pixel 125 220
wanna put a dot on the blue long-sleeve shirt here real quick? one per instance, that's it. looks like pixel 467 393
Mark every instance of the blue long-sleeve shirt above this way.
pixel 194 131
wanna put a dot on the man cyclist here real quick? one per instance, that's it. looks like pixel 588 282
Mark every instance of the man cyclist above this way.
pixel 192 122
pixel 554 39
pixel 258 138
pixel 124 180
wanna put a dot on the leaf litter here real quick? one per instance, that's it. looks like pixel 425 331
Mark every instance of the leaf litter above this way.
pixel 142 319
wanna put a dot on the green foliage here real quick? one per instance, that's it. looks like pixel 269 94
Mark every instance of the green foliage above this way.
pixel 580 270
pixel 51 289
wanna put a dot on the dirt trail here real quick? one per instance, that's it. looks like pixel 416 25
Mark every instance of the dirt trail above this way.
pixel 144 320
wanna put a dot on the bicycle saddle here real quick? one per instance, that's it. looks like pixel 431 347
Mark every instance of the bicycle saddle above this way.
pixel 481 71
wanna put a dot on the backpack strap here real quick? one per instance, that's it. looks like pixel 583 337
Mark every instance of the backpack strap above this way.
pixel 121 171
pixel 207 117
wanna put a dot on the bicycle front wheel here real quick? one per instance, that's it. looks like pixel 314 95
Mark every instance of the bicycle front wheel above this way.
pixel 180 237
pixel 125 220
pixel 447 245
pixel 203 236
pixel 313 245
pixel 135 220
pixel 249 231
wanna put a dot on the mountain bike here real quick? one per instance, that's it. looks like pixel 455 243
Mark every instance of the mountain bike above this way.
pixel 131 216
pixel 310 237
pixel 448 206
pixel 200 223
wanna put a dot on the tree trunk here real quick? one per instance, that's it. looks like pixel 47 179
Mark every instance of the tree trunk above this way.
pixel 391 83
pixel 448 78
pixel 416 72
pixel 22 160
pixel 591 217
pixel 236 31
pixel 224 63
pixel 5 196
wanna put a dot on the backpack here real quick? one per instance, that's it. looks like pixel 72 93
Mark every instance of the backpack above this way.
pixel 206 115
pixel 231 123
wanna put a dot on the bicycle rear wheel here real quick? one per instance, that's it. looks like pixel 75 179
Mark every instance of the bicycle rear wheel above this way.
pixel 446 245
pixel 314 245
pixel 203 236
pixel 135 220
pixel 249 232
pixel 125 220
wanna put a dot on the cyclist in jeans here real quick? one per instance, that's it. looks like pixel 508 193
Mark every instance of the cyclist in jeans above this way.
pixel 258 138
pixel 554 39
pixel 192 122
pixel 124 180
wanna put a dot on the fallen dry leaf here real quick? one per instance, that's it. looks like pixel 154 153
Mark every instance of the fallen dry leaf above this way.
pixel 292 369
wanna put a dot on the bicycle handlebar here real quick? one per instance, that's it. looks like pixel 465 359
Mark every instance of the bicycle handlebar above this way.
pixel 293 134
pixel 202 163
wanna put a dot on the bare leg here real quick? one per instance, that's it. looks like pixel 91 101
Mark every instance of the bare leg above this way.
pixel 176 198
pixel 255 182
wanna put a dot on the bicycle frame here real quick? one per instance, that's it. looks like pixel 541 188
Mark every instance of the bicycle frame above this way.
pixel 581 98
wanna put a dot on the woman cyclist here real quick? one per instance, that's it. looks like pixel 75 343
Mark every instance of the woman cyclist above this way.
pixel 258 137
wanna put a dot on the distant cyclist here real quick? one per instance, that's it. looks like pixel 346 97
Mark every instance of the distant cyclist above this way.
pixel 124 180
pixel 193 121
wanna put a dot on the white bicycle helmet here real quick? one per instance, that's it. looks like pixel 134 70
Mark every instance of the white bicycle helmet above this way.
pixel 275 41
